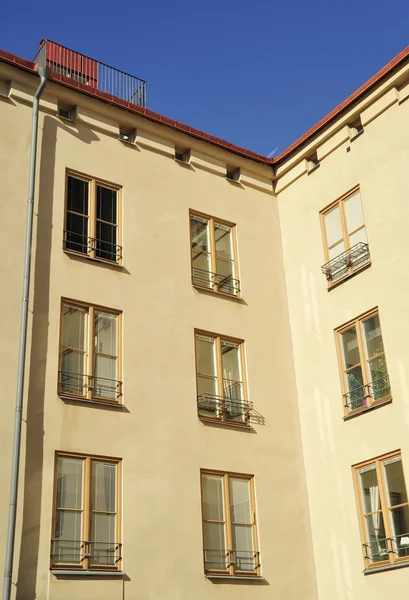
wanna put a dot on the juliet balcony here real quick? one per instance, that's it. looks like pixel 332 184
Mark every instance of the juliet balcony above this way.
pixel 347 263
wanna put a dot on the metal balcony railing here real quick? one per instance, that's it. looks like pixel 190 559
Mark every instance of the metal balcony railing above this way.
pixel 221 283
pixel 75 552
pixel 222 559
pixel 365 395
pixel 98 248
pixel 347 262
pixel 228 409
pixel 88 386
pixel 381 549
pixel 92 73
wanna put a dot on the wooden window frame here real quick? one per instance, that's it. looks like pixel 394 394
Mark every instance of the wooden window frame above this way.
pixel 231 570
pixel 87 512
pixel 219 376
pixel 369 401
pixel 340 203
pixel 93 182
pixel 384 509
pixel 216 287
pixel 89 352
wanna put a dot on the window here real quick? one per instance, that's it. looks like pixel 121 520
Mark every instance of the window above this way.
pixel 345 244
pixel 91 220
pixel 67 113
pixel 182 155
pixel 383 510
pixel 233 174
pixel 86 520
pixel 127 135
pixel 229 525
pixel 214 260
pixel 313 162
pixel 221 392
pixel 89 353
pixel 362 361
pixel 356 128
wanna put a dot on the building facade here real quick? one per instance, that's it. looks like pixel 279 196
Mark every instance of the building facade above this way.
pixel 208 411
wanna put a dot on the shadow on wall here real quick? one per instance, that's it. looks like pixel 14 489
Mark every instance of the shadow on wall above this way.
pixel 30 496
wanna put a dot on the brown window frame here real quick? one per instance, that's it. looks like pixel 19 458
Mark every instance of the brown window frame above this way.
pixel 231 570
pixel 370 402
pixel 384 509
pixel 345 235
pixel 91 242
pixel 89 353
pixel 222 404
pixel 215 284
pixel 86 510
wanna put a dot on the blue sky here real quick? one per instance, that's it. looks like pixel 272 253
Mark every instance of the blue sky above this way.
pixel 254 72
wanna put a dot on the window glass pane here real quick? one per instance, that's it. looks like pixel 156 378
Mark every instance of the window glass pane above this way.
pixel 212 489
pixel 231 360
pixel 106 204
pixel 373 336
pixel 379 377
pixel 336 250
pixel 68 546
pixel 77 195
pixel 232 390
pixel 105 333
pixel 225 276
pixel 103 486
pixel 395 482
pixel 69 483
pixel 106 246
pixel 376 547
pixel 103 546
pixel 356 390
pixel 333 226
pixel 400 529
pixel 206 355
pixel 215 554
pixel 358 236
pixel 73 327
pixel 206 385
pixel 199 229
pixel 76 234
pixel 353 212
pixel 223 240
pixel 240 501
pixel 105 374
pixel 350 347
pixel 72 372
pixel 369 489
pixel 244 559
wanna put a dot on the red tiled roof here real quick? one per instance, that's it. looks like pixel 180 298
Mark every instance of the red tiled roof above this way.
pixel 156 117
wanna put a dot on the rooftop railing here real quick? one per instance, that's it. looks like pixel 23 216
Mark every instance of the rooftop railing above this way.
pixel 92 73
pixel 346 263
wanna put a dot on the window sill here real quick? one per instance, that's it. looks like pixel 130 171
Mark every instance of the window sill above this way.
pixel 360 411
pixel 109 263
pixel 313 168
pixel 356 135
pixel 349 276
pixel 76 399
pixel 235 577
pixel 234 425
pixel 399 565
pixel 201 288
pixel 83 573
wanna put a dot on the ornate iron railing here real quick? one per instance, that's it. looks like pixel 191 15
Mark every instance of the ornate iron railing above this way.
pixel 228 409
pixel 75 552
pixel 347 262
pixel 88 386
pixel 365 395
pixel 97 248
pixel 92 73
pixel 222 283
pixel 223 559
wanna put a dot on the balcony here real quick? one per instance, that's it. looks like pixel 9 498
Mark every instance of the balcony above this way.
pixel 227 410
pixel 347 263
pixel 94 248
pixel 92 73
pixel 366 395
pixel 83 555
pixel 224 284
pixel 78 385
pixel 235 562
